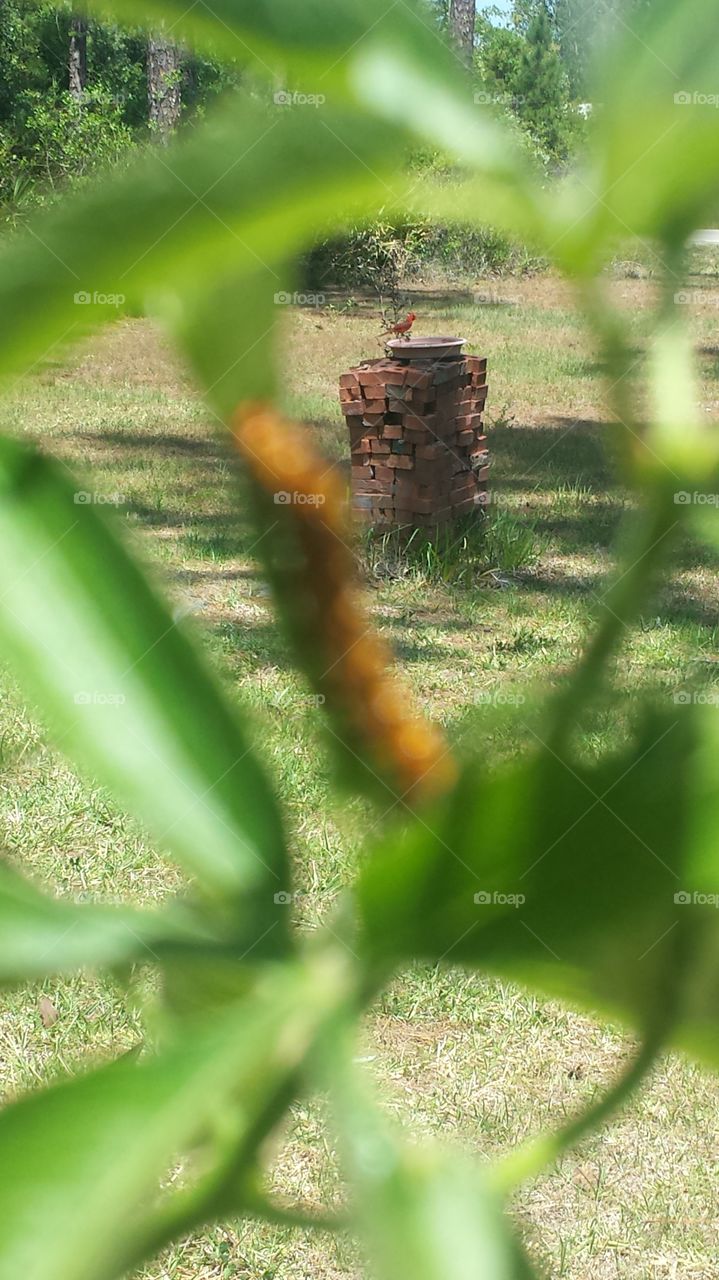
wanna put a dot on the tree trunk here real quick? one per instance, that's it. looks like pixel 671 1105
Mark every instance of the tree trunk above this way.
pixel 461 26
pixel 77 62
pixel 163 86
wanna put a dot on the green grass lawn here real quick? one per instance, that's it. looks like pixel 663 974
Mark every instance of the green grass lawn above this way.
pixel 459 1056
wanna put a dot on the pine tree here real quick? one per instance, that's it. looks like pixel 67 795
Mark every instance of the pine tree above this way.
pixel 77 59
pixel 461 25
pixel 542 88
pixel 164 62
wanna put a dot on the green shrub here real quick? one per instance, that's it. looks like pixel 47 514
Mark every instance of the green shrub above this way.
pixel 65 140
pixel 385 257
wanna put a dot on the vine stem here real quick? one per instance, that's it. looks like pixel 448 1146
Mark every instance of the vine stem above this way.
pixel 621 604
pixel 206 1205
pixel 536 1155
pixel 647 549
pixel 229 1188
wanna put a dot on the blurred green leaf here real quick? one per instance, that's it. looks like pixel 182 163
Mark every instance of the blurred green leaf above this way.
pixel 435 100
pixel 253 185
pixel 565 877
pixel 233 200
pixel 653 166
pixel 228 332
pixel 82 1162
pixel 125 689
pixel 421 1212
pixel 41 935
pixel 254 29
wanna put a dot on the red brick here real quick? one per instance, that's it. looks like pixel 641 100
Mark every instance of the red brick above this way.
pixel 353 408
pixel 391 431
pixel 400 460
pixel 428 424
pixel 394 391
pixel 448 372
pixel 379 446
pixel 349 380
pixel 372 377
pixel 374 406
pixel 406 483
pixel 430 472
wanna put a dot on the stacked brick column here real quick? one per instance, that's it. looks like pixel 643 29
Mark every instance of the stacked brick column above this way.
pixel 418 450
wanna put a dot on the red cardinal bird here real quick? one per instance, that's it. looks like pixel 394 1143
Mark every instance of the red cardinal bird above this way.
pixel 402 327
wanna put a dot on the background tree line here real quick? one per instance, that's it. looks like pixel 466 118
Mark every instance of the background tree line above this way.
pixel 76 94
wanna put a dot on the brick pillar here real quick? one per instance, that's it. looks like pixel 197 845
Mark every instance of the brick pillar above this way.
pixel 417 446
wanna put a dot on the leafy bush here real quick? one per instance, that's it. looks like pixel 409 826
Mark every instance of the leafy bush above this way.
pixel 590 881
pixel 383 255
pixel 389 257
pixel 48 138
pixel 66 139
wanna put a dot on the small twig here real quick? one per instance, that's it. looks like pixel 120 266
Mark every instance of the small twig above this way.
pixel 289 1216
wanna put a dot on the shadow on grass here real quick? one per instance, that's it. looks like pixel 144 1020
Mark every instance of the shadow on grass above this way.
pixel 559 479
pixel 559 475
pixel 154 443
pixel 708 361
